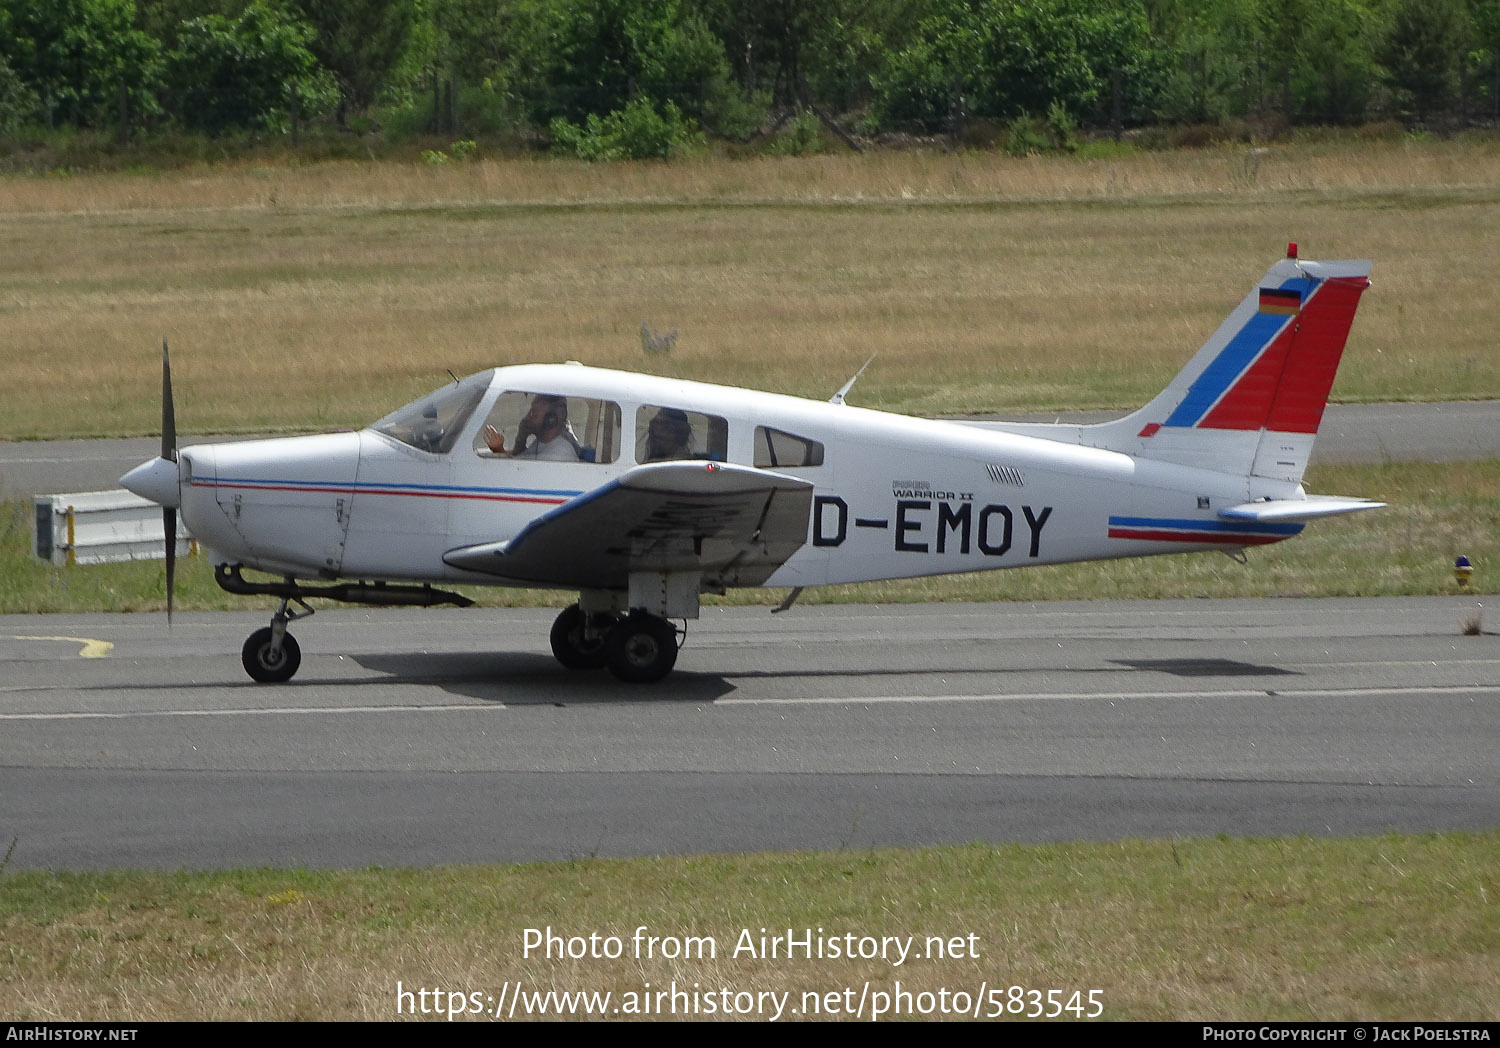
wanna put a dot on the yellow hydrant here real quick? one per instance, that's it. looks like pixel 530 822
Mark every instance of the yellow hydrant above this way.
pixel 1462 572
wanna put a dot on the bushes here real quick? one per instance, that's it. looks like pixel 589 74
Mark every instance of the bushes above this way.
pixel 637 132
pixel 1027 135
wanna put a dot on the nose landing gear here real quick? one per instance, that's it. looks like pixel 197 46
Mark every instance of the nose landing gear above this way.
pixel 267 662
pixel 271 655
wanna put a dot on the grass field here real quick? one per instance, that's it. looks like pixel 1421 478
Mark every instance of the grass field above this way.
pixel 308 298
pixel 1379 928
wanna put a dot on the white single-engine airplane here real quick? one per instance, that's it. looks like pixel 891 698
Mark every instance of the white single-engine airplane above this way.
pixel 643 493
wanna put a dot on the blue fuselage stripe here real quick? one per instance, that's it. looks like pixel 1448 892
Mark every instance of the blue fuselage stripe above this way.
pixel 1245 528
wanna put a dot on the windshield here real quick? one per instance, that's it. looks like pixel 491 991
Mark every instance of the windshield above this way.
pixel 434 422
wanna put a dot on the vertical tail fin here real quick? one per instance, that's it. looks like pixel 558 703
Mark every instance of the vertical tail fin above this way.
pixel 1250 401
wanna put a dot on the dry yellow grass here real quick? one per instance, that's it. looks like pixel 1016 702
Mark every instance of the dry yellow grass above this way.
pixel 302 298
pixel 1334 167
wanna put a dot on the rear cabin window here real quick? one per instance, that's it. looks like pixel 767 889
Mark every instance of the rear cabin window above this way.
pixel 550 427
pixel 666 433
pixel 775 449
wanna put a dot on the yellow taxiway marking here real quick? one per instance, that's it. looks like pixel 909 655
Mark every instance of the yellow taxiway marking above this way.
pixel 92 649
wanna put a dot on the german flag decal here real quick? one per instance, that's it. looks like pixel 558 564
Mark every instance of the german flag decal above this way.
pixel 1285 301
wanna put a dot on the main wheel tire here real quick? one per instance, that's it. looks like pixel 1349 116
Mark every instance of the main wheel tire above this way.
pixel 573 648
pixel 256 657
pixel 641 648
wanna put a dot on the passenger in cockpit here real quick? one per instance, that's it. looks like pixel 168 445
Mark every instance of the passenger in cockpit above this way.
pixel 543 433
pixel 669 436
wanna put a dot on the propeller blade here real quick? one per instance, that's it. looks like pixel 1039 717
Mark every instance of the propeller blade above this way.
pixel 168 452
pixel 169 525
pixel 168 415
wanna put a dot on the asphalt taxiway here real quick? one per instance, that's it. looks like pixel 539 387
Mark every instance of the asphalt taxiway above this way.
pixel 420 737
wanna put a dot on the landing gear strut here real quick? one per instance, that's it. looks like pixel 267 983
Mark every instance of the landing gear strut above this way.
pixel 271 655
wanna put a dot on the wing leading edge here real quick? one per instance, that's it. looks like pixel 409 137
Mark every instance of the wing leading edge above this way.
pixel 734 524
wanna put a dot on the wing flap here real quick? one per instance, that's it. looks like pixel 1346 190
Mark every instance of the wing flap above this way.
pixel 734 524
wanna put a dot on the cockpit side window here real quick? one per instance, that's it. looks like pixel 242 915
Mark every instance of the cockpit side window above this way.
pixel 434 422
pixel 775 449
pixel 550 427
pixel 666 433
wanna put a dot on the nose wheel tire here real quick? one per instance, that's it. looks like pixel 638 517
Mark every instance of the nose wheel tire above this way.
pixel 262 666
pixel 641 648
pixel 573 645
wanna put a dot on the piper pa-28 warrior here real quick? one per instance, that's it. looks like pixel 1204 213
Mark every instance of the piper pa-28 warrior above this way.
pixel 644 493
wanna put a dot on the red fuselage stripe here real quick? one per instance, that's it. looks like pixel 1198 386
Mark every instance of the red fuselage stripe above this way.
pixel 1219 538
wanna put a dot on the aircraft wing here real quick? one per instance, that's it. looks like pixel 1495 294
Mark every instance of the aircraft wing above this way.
pixel 734 524
pixel 1311 508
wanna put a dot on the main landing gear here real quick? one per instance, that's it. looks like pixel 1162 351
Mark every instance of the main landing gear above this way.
pixel 637 648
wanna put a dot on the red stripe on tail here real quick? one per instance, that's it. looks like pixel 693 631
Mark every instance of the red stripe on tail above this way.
pixel 1314 361
pixel 1286 389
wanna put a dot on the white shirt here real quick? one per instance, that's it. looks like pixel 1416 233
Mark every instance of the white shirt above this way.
pixel 558 449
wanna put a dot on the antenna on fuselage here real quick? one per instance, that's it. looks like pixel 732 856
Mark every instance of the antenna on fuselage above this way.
pixel 452 375
pixel 838 398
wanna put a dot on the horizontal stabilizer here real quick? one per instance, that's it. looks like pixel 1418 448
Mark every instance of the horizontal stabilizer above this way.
pixel 1313 507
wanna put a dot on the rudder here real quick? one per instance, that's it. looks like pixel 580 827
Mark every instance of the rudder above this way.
pixel 1252 398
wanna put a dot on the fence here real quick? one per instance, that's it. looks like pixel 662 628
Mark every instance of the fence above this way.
pixel 94 527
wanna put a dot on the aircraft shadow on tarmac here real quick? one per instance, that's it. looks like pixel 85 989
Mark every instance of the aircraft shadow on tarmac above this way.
pixel 1205 668
pixel 522 679
pixel 517 679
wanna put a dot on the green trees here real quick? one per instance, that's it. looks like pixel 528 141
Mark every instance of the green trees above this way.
pixel 79 62
pixel 632 71
pixel 1336 79
pixel 613 51
pixel 641 75
pixel 489 61
pixel 243 73
pixel 1004 60
pixel 360 42
pixel 1424 53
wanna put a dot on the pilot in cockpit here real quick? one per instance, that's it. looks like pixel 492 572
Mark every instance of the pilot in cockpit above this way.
pixel 543 433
